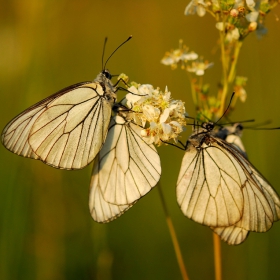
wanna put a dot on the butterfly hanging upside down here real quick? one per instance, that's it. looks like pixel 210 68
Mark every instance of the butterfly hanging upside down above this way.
pixel 69 129
pixel 218 187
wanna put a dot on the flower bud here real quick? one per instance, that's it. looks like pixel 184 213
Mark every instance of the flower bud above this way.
pixel 252 26
pixel 234 13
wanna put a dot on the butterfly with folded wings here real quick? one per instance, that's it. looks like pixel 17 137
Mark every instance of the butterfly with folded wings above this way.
pixel 218 187
pixel 80 123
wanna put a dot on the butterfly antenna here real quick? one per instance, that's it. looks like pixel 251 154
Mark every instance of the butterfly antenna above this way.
pixel 114 51
pixel 226 108
pixel 262 128
pixel 188 117
pixel 103 52
pixel 258 126
pixel 245 121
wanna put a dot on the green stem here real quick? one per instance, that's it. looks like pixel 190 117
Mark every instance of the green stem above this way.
pixel 223 94
pixel 173 236
pixel 232 71
pixel 230 78
pixel 194 94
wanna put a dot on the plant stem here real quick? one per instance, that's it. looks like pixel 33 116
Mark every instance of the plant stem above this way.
pixel 232 71
pixel 224 59
pixel 173 236
pixel 194 93
pixel 217 256
pixel 228 79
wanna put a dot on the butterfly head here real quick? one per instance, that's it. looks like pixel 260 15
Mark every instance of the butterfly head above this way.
pixel 208 126
pixel 107 74
pixel 203 135
pixel 104 77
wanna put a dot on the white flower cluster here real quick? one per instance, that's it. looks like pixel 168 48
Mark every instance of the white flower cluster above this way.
pixel 188 60
pixel 181 55
pixel 196 6
pixel 199 66
pixel 162 118
pixel 235 11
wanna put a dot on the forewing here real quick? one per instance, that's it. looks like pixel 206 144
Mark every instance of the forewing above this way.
pixel 129 167
pixel 16 133
pixel 209 186
pixel 73 128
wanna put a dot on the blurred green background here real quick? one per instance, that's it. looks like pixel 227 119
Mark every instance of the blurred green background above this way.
pixel 46 229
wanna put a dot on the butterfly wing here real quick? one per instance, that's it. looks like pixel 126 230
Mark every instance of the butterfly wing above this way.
pixel 208 187
pixel 101 210
pixel 261 201
pixel 66 130
pixel 238 233
pixel 124 171
pixel 256 216
pixel 219 188
pixel 16 132
pixel 233 235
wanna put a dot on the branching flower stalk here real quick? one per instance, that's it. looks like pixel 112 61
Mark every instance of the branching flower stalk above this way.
pixel 235 20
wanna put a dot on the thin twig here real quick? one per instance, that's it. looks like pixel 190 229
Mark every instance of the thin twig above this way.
pixel 173 236
pixel 217 256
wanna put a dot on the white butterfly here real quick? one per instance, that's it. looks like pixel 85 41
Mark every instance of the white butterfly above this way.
pixel 125 170
pixel 219 187
pixel 67 129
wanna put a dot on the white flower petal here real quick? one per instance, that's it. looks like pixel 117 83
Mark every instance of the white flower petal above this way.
pixel 164 115
pixel 220 26
pixel 145 89
pixel 167 129
pixel 167 61
pixel 251 4
pixel 175 123
pixel 199 72
pixel 191 8
pixel 201 11
pixel 189 56
pixel 143 133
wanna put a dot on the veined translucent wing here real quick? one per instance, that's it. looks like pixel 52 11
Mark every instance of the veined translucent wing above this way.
pixel 250 220
pixel 235 234
pixel 219 188
pixel 67 129
pixel 125 170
